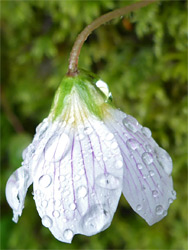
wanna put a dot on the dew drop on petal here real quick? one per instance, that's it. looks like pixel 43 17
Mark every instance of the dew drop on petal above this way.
pixel 72 206
pixel 147 158
pixel 139 207
pixel 44 203
pixel 130 123
pixel 164 160
pixel 132 144
pixel 146 131
pixel 114 145
pixel 88 130
pixel 151 173
pixel 174 194
pixel 96 219
pixel 148 148
pixel 119 164
pixel 155 193
pixel 109 137
pixel 61 178
pixel 45 181
pixel 56 213
pixel 68 234
pixel 159 209
pixel 139 166
pixel 170 200
pixel 47 221
pixel 82 191
pixel 108 181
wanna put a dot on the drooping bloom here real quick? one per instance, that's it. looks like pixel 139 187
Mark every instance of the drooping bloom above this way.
pixel 83 156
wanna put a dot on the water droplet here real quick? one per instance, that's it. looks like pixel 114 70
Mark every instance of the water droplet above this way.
pixel 72 206
pixel 109 137
pixel 139 166
pixel 155 193
pixel 165 213
pixel 132 144
pixel 56 213
pixel 164 160
pixel 148 148
pixel 44 203
pixel 170 200
pixel 45 181
pixel 146 131
pixel 68 234
pixel 46 221
pixel 174 194
pixel 139 207
pixel 144 177
pixel 119 164
pixel 114 145
pixel 57 147
pixel 88 130
pixel 108 181
pixel 103 87
pixel 151 173
pixel 130 123
pixel 96 219
pixel 159 210
pixel 147 158
pixel 82 191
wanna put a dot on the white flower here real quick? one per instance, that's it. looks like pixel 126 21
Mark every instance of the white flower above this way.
pixel 83 156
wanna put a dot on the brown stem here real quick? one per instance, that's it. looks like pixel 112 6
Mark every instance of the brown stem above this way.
pixel 74 55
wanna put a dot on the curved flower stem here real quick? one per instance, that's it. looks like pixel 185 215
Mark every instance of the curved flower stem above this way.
pixel 73 61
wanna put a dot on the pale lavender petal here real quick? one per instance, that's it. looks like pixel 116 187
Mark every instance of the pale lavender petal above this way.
pixel 147 184
pixel 16 189
pixel 77 188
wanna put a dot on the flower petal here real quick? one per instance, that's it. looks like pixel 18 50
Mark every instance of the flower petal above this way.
pixel 147 184
pixel 77 189
pixel 16 189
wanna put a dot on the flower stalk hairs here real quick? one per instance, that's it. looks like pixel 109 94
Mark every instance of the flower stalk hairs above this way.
pixel 86 153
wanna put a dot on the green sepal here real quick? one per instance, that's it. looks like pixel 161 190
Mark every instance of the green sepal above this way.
pixel 85 85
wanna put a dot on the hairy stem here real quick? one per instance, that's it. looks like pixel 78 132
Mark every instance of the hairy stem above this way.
pixel 73 61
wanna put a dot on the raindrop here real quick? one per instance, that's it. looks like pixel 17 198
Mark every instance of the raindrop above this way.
pixel 151 173
pixel 138 207
pixel 56 213
pixel 132 144
pixel 174 193
pixel 147 158
pixel 119 164
pixel 139 166
pixel 165 213
pixel 72 206
pixel 109 137
pixel 108 181
pixel 57 147
pixel 46 221
pixel 159 210
pixel 45 181
pixel 88 130
pixel 68 234
pixel 164 160
pixel 82 191
pixel 114 145
pixel 170 200
pixel 130 123
pixel 155 193
pixel 146 131
pixel 44 203
pixel 148 148
pixel 96 219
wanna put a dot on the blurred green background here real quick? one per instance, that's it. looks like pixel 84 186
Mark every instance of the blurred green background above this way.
pixel 142 56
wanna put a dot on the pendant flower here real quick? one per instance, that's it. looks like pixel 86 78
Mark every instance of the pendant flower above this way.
pixel 83 156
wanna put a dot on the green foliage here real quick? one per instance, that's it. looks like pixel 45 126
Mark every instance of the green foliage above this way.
pixel 143 59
